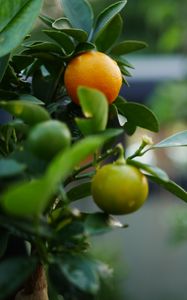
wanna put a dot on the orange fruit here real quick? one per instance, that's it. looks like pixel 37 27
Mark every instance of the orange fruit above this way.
pixel 119 188
pixel 95 70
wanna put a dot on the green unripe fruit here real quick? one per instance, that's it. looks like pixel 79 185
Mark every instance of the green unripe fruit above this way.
pixel 48 138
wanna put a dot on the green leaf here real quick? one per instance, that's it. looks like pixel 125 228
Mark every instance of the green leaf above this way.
pixel 79 13
pixel 79 192
pixel 20 62
pixel 122 61
pixel 73 157
pixel 30 113
pixel 128 47
pixel 10 167
pixel 4 235
pixel 177 140
pixel 171 186
pixel 43 47
pixel 99 223
pixel 77 34
pixel 62 39
pixel 13 273
pixel 18 20
pixel 29 199
pixel 108 35
pixel 138 115
pixel 83 47
pixel 81 271
pixel 107 14
pixel 96 120
pixel 46 20
pixel 153 170
pixel 3 65
pixel 31 99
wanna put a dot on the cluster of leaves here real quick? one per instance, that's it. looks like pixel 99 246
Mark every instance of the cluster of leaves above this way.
pixel 34 200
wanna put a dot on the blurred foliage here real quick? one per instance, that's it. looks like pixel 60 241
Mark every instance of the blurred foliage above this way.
pixel 161 23
pixel 168 102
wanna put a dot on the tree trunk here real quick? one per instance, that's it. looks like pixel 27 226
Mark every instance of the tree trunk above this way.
pixel 36 286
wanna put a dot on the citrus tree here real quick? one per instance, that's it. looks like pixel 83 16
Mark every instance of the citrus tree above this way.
pixel 62 144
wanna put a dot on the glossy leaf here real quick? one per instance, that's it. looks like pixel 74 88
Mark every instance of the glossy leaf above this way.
pixel 177 140
pixel 98 223
pixel 3 65
pixel 107 14
pixel 62 39
pixel 10 167
pixel 171 186
pixel 79 192
pixel 13 272
pixel 138 115
pixel 96 120
pixel 62 25
pixel 30 98
pixel 46 20
pixel 127 47
pixel 153 170
pixel 18 19
pixel 28 112
pixel 43 47
pixel 108 35
pixel 79 13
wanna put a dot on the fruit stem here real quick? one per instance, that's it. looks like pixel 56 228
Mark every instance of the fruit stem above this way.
pixel 121 159
pixel 102 157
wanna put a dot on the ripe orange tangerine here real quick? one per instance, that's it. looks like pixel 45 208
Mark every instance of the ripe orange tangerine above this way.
pixel 95 70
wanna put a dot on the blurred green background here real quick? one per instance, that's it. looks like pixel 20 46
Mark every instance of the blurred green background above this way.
pixel 150 257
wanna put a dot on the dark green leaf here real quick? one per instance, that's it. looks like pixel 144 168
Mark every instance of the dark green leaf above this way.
pixel 171 186
pixel 122 61
pixel 124 71
pixel 17 21
pixel 96 120
pixel 176 140
pixel 30 113
pixel 107 14
pixel 77 34
pixel 10 167
pixel 62 39
pixel 13 272
pixel 43 47
pixel 153 170
pixel 4 235
pixel 46 20
pixel 83 47
pixel 79 13
pixel 108 35
pixel 29 199
pixel 79 192
pixel 3 65
pixel 129 128
pixel 127 47
pixel 81 271
pixel 98 223
pixel 20 62
pixel 138 115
